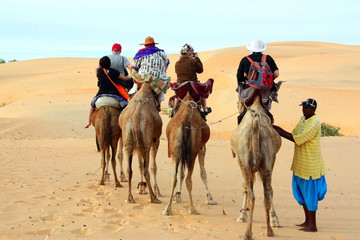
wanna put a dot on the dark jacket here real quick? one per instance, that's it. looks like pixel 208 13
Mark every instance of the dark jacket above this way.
pixel 187 67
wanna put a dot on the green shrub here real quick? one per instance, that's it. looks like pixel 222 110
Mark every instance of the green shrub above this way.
pixel 14 60
pixel 328 130
pixel 2 61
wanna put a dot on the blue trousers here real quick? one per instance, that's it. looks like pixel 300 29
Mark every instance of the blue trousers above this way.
pixel 309 192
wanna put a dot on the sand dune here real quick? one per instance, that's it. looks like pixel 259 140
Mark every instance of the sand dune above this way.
pixel 50 165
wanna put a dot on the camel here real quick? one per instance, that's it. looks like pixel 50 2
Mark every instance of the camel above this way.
pixel 255 143
pixel 105 121
pixel 187 134
pixel 141 127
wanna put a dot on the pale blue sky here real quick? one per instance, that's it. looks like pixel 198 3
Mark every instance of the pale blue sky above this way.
pixel 32 29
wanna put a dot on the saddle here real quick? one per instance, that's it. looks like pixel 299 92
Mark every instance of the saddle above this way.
pixel 107 101
pixel 196 90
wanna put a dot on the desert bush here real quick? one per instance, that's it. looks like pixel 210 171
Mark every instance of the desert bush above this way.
pixel 2 61
pixel 328 130
pixel 14 60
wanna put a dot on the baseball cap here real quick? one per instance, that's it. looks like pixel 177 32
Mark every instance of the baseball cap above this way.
pixel 310 103
pixel 116 47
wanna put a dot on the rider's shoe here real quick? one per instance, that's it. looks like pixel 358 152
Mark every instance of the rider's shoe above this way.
pixel 207 110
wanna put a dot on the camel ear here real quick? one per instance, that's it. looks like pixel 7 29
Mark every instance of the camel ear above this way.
pixel 234 155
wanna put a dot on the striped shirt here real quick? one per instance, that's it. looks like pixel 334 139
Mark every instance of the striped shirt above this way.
pixel 307 161
pixel 154 64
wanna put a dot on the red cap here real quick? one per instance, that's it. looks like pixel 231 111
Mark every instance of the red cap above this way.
pixel 116 47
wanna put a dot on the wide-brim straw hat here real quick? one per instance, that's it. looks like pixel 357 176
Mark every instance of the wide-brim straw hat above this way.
pixel 149 40
pixel 256 45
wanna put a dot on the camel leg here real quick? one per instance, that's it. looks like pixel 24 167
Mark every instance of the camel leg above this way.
pixel 203 175
pixel 108 156
pixel 168 209
pixel 114 143
pixel 249 182
pixel 129 156
pixel 120 157
pixel 268 193
pixel 153 198
pixel 188 180
pixel 142 184
pixel 154 149
pixel 244 210
pixel 103 165
pixel 177 196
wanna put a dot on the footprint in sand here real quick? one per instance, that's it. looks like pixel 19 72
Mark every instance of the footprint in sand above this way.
pixel 52 217
pixel 84 231
pixel 88 200
pixel 94 210
pixel 84 214
pixel 48 232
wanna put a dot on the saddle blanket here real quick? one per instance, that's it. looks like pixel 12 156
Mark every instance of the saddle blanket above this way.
pixel 200 89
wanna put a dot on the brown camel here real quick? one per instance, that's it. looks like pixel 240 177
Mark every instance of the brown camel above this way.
pixel 141 127
pixel 187 134
pixel 105 121
pixel 255 143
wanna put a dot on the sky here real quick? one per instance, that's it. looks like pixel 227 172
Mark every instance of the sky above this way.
pixel 33 29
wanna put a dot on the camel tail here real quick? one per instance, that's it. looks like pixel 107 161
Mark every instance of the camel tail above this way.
pixel 255 143
pixel 186 145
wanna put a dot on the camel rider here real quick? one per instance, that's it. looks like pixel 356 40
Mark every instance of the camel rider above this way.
pixel 186 69
pixel 256 47
pixel 152 62
pixel 106 87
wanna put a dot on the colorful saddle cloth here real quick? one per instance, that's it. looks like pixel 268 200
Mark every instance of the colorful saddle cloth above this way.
pixel 199 89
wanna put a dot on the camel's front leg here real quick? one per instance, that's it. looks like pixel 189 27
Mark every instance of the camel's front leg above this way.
pixel 154 149
pixel 188 180
pixel 177 196
pixel 141 185
pixel 120 157
pixel 130 198
pixel 168 209
pixel 268 193
pixel 203 175
pixel 146 159
pixel 244 209
pixel 251 202
pixel 103 166
pixel 113 162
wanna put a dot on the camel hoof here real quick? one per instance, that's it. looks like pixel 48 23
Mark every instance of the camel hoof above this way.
pixel 102 183
pixel 123 178
pixel 130 199
pixel 177 197
pixel 270 233
pixel 118 185
pixel 275 223
pixel 107 176
pixel 246 238
pixel 157 191
pixel 167 212
pixel 155 200
pixel 241 219
pixel 194 211
pixel 211 202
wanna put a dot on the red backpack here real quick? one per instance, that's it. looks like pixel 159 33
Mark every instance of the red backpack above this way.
pixel 260 75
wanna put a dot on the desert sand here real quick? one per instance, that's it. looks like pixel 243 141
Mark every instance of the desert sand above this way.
pixel 50 167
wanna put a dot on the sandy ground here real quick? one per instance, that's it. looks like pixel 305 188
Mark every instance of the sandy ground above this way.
pixel 50 167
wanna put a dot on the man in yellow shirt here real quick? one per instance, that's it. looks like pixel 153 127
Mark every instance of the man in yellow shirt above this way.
pixel 308 184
